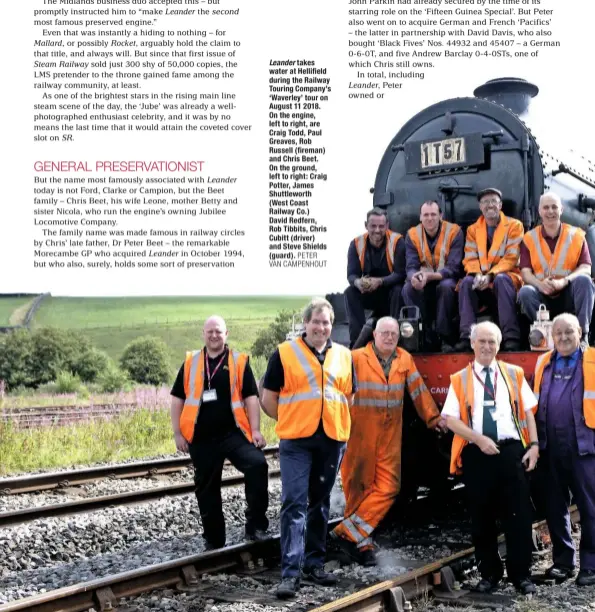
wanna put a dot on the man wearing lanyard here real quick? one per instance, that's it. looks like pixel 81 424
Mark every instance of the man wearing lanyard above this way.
pixel 489 408
pixel 565 385
pixel 216 416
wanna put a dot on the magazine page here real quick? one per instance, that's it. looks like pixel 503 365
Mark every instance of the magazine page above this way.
pixel 181 180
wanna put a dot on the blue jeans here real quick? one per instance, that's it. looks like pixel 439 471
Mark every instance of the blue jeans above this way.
pixel 308 470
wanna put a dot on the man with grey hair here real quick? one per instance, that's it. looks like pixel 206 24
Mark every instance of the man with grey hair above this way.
pixel 565 385
pixel 556 267
pixel 308 388
pixel 375 272
pixel 215 416
pixel 489 408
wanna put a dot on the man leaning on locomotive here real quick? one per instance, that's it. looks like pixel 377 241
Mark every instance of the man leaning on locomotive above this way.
pixel 501 267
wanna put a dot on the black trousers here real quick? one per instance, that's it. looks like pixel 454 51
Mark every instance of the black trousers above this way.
pixel 208 458
pixel 384 302
pixel 498 487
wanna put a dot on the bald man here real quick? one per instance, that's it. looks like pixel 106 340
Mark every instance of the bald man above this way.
pixel 215 416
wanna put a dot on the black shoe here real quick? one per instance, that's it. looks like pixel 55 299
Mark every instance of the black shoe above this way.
pixel 525 586
pixel 257 535
pixel 463 346
pixel 288 588
pixel 586 578
pixel 344 550
pixel 560 573
pixel 447 348
pixel 319 576
pixel 367 558
pixel 485 585
pixel 512 346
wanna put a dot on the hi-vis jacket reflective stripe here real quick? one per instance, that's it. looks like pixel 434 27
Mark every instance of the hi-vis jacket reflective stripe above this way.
pixel 462 383
pixel 361 242
pixel 565 258
pixel 312 390
pixel 437 260
pixel 194 384
pixel 588 381
pixel 503 255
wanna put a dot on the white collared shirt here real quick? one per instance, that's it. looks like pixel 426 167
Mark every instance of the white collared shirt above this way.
pixel 503 414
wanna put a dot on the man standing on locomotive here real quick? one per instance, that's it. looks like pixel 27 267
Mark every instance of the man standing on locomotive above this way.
pixel 308 386
pixel 215 416
pixel 491 263
pixel 375 271
pixel 371 468
pixel 433 252
pixel 489 408
pixel 565 384
pixel 556 267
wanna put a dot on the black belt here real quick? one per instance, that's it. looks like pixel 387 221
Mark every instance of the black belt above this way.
pixel 507 442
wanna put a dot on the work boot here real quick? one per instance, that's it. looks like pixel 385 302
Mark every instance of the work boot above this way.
pixel 525 586
pixel 367 557
pixel 288 587
pixel 512 346
pixel 343 550
pixel 256 535
pixel 319 576
pixel 486 585
pixel 560 573
pixel 463 346
pixel 586 578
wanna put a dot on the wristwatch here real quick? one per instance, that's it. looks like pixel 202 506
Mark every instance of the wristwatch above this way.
pixel 534 444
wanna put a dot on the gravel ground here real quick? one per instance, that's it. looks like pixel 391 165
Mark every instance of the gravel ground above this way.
pixel 51 553
pixel 22 501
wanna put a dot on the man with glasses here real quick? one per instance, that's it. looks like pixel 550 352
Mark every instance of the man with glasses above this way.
pixel 215 415
pixel 493 278
pixel 371 468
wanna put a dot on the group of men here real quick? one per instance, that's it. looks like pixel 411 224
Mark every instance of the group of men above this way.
pixel 449 277
pixel 340 409
pixel 322 396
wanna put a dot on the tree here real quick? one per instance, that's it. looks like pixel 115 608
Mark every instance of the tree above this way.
pixel 146 360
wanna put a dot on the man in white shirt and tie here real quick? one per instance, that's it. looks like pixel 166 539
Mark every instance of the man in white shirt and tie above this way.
pixel 489 408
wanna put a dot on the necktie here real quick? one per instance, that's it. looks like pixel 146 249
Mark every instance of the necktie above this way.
pixel 490 427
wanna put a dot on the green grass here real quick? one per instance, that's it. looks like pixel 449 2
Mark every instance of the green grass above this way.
pixel 81 313
pixel 137 435
pixel 14 309
pixel 111 323
pixel 140 434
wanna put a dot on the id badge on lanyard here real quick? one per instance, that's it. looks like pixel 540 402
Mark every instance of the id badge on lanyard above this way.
pixel 210 395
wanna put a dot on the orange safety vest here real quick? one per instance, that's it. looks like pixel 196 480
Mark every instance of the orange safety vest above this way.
pixel 311 391
pixel 566 254
pixel 588 381
pixel 374 391
pixel 361 242
pixel 436 260
pixel 462 384
pixel 503 255
pixel 194 385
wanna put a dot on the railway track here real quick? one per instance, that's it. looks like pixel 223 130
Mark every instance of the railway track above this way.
pixel 165 466
pixel 254 559
pixel 55 480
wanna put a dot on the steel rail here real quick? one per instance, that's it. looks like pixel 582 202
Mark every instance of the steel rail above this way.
pixel 54 480
pixel 17 517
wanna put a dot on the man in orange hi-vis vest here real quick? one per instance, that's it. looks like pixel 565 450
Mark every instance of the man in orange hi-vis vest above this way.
pixel 371 468
pixel 308 386
pixel 489 408
pixel 556 267
pixel 216 416
pixel 375 272
pixel 491 263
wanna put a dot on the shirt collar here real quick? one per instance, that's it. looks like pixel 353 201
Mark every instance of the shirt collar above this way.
pixel 328 345
pixel 572 357
pixel 479 368
pixel 380 358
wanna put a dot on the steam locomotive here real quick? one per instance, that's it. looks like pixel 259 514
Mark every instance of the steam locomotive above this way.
pixel 450 151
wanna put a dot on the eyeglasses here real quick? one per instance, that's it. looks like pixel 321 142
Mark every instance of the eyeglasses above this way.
pixel 388 334
pixel 491 201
